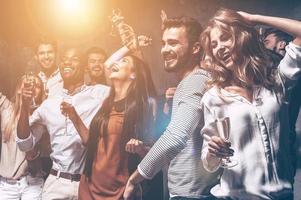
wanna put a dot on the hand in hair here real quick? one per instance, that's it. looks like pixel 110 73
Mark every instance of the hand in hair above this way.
pixel 136 146
pixel 249 18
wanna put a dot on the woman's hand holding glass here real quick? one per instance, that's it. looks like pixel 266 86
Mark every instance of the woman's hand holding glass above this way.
pixel 219 146
pixel 28 90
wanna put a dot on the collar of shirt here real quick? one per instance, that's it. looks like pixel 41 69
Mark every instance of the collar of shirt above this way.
pixel 77 90
pixel 43 76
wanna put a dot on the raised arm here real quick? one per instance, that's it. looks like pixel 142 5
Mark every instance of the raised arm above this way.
pixel 123 51
pixel 129 39
pixel 290 26
pixel 23 128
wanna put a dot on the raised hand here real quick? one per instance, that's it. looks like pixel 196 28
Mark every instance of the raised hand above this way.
pixel 27 92
pixel 144 41
pixel 163 16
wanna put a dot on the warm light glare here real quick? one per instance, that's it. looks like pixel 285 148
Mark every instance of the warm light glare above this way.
pixel 71 8
pixel 75 16
pixel 71 5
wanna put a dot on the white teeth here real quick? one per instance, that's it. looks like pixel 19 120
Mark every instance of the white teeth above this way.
pixel 67 69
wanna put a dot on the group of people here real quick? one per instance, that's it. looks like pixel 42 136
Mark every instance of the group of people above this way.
pixel 99 134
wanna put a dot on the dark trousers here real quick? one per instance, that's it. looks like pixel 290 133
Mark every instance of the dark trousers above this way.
pixel 186 198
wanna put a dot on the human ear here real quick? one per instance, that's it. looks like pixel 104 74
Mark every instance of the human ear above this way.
pixel 196 48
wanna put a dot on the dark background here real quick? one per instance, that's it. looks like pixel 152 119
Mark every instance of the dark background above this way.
pixel 22 21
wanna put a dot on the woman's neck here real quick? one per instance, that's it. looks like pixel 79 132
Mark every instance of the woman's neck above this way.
pixel 244 92
pixel 121 89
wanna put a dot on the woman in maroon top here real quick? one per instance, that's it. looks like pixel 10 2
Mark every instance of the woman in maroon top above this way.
pixel 120 130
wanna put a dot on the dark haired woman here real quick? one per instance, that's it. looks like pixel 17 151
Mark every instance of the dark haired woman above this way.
pixel 120 128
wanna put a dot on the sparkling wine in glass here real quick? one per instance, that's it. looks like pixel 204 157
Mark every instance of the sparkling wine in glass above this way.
pixel 67 99
pixel 30 81
pixel 223 127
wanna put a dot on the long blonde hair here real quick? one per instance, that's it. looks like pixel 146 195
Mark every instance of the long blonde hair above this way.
pixel 251 64
pixel 15 107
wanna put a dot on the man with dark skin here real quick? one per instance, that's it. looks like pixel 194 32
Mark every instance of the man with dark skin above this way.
pixel 66 122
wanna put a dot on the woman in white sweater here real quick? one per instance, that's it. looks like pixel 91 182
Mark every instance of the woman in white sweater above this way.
pixel 244 89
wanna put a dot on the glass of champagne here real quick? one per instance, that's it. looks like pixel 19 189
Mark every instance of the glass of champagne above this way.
pixel 30 81
pixel 223 128
pixel 67 99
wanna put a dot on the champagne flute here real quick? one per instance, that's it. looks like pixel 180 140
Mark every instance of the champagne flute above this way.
pixel 30 81
pixel 67 99
pixel 223 128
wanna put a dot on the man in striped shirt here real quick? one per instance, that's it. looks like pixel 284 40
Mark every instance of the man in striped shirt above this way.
pixel 180 145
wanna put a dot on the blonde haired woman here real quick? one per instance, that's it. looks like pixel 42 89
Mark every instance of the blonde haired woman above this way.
pixel 16 181
pixel 254 99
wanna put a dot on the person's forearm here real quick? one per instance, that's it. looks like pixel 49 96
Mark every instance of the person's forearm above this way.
pixel 211 163
pixel 81 129
pixel 23 128
pixel 144 151
pixel 290 26
pixel 120 53
pixel 136 178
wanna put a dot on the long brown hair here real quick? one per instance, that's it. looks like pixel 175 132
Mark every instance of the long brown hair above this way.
pixel 251 64
pixel 137 117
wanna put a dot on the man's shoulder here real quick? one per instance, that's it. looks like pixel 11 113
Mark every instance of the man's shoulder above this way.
pixel 98 87
pixel 98 91
pixel 195 81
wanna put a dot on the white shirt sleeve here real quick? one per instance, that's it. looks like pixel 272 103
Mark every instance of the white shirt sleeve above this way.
pixel 37 129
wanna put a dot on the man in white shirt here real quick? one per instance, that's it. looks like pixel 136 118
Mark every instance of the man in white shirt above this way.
pixel 66 118
pixel 45 55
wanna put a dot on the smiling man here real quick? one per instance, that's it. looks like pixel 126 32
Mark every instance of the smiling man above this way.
pixel 66 123
pixel 95 60
pixel 45 55
pixel 180 145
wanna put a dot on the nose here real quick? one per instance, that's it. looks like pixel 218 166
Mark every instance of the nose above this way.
pixel 220 48
pixel 67 61
pixel 164 49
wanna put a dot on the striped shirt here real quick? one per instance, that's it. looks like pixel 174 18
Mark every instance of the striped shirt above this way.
pixel 181 144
